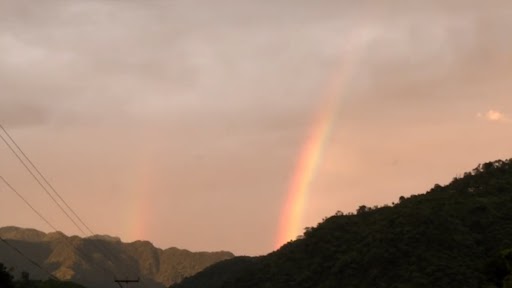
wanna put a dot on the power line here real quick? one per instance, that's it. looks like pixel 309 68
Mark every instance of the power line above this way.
pixel 29 259
pixel 45 180
pixel 81 254
pixel 28 203
pixel 37 180
pixel 99 245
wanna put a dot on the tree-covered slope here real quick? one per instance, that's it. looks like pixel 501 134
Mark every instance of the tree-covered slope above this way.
pixel 459 235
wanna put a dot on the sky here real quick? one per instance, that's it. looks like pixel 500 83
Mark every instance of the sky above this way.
pixel 183 122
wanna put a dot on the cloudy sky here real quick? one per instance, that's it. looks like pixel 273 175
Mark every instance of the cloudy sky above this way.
pixel 181 122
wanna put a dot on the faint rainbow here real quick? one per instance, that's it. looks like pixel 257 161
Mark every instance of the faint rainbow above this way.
pixel 139 209
pixel 310 156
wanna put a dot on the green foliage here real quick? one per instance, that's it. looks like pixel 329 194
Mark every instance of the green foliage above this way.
pixel 459 235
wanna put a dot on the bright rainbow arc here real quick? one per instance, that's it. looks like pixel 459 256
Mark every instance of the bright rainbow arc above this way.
pixel 290 225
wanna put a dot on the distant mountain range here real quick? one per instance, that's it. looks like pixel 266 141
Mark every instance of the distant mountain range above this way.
pixel 458 235
pixel 96 261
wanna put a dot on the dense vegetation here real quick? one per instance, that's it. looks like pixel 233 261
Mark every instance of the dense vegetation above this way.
pixel 7 281
pixel 96 261
pixel 459 235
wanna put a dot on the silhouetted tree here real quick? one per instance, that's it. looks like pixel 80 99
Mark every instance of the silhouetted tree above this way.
pixel 5 277
pixel 362 209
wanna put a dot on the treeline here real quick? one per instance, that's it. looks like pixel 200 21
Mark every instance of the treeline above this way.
pixel 7 281
pixel 458 235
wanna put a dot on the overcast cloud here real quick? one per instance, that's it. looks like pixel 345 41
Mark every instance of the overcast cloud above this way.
pixel 212 100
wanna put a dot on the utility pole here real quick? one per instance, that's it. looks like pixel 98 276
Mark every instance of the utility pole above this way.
pixel 126 281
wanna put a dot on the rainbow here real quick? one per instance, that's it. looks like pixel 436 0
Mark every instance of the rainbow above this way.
pixel 290 225
pixel 137 210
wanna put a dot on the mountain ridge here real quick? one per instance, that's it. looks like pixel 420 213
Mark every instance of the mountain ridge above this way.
pixel 97 260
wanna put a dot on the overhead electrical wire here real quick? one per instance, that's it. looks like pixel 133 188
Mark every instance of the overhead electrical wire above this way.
pixel 37 179
pixel 66 239
pixel 28 259
pixel 45 180
pixel 28 203
pixel 106 252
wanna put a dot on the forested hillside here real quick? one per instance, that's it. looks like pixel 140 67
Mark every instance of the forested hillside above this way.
pixel 458 235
